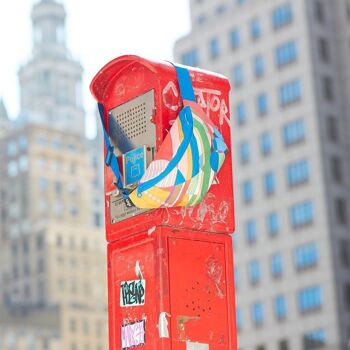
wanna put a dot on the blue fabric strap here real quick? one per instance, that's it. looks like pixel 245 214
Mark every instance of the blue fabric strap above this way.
pixel 111 160
pixel 185 83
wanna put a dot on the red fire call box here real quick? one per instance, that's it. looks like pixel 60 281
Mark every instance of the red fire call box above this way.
pixel 170 270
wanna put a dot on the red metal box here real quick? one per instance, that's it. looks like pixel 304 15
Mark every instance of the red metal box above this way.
pixel 171 289
pixel 141 100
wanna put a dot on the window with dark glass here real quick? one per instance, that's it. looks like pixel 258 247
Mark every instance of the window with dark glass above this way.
pixel 283 344
pixel 315 339
pixel 344 252
pixel 328 89
pixel 336 166
pixel 323 50
pixel 347 295
pixel 319 11
pixel 332 129
pixel 341 211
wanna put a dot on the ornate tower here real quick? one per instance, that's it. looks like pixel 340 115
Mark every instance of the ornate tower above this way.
pixel 51 81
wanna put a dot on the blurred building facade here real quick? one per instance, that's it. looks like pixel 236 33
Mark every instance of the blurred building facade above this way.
pixel 288 62
pixel 52 246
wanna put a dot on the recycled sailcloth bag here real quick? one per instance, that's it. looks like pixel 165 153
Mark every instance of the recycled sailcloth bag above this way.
pixel 186 163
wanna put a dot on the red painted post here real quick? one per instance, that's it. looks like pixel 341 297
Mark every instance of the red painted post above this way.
pixel 170 270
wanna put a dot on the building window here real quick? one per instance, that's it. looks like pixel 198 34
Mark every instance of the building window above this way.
pixel 265 144
pixel 336 166
pixel 235 39
pixel 332 129
pixel 310 299
pixel 280 306
pixel 12 169
pixel 247 189
pixel 290 93
pixel 283 344
pixel 297 173
pixel 282 16
pixel 347 296
pixel 272 222
pixel 11 148
pixel 344 252
pixel 261 104
pixel 286 54
pixel 214 48
pixel 240 2
pixel 97 220
pixel 293 132
pixel 238 75
pixel 43 184
pixel 190 58
pixel 241 113
pixel 305 256
pixel 244 152
pixel 301 214
pixel 276 265
pixel 258 66
pixel 328 89
pixel 257 314
pixel 314 340
pixel 319 11
pixel 251 231
pixel 239 320
pixel 269 183
pixel 221 9
pixel 255 29
pixel 323 50
pixel 202 19
pixel 341 211
pixel 254 272
pixel 23 163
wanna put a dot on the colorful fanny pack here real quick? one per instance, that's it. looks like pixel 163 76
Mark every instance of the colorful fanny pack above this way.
pixel 186 163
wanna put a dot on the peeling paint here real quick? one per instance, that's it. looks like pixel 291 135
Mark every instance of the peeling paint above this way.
pixel 163 325
pixel 214 272
pixel 151 230
pixel 196 346
pixel 138 270
pixel 181 320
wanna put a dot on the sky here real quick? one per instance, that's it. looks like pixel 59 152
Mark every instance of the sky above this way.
pixel 97 32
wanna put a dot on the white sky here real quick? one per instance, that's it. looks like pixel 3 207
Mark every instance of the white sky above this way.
pixel 97 31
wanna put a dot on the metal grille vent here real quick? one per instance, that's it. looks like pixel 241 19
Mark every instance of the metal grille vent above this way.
pixel 132 122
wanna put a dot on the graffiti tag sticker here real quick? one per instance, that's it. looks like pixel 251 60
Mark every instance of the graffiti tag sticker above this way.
pixel 133 334
pixel 132 293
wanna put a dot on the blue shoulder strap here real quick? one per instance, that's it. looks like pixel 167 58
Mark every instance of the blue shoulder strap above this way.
pixel 111 160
